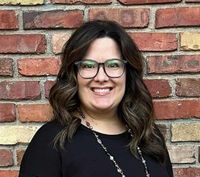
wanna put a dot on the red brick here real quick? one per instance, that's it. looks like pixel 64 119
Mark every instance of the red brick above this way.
pixel 7 112
pixel 129 2
pixel 47 87
pixel 186 172
pixel 158 87
pixel 38 66
pixel 6 158
pixel 192 0
pixel 8 19
pixel 81 1
pixel 19 90
pixel 6 68
pixel 174 64
pixel 22 43
pixel 155 41
pixel 174 109
pixel 188 87
pixel 9 173
pixel 52 19
pixel 20 154
pixel 126 17
pixel 178 17
pixel 39 112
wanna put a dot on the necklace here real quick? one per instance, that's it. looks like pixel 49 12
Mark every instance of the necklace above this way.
pixel 119 170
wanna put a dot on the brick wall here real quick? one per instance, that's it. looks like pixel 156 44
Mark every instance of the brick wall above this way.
pixel 31 37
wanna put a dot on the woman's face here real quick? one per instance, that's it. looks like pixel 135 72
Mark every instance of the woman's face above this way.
pixel 102 93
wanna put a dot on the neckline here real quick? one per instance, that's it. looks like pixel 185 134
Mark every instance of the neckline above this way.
pixel 120 135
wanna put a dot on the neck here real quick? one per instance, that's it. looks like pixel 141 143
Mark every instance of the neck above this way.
pixel 106 122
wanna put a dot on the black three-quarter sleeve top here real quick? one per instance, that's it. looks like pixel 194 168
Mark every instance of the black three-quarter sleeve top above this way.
pixel 84 157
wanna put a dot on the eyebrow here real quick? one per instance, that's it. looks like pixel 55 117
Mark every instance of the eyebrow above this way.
pixel 89 59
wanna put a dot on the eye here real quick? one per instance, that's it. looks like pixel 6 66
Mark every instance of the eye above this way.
pixel 113 64
pixel 87 65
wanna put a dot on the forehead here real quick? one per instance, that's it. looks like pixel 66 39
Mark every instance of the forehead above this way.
pixel 102 49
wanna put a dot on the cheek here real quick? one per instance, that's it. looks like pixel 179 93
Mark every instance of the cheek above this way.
pixel 121 88
pixel 82 86
pixel 123 83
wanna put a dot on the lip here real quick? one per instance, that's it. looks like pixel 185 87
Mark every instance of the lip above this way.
pixel 101 91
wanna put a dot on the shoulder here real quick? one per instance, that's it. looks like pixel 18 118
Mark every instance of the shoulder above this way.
pixel 43 139
pixel 52 126
pixel 48 131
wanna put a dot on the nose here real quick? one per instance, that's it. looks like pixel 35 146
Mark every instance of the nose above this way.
pixel 101 75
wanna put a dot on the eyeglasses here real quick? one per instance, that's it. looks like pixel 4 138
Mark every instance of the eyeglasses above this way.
pixel 113 68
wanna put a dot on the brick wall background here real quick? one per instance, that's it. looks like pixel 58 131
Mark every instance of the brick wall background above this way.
pixel 31 37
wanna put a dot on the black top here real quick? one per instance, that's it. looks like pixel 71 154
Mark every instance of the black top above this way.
pixel 84 157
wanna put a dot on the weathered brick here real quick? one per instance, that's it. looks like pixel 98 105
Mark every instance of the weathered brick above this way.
pixel 155 41
pixel 185 131
pixel 174 64
pixel 186 172
pixel 174 109
pixel 21 2
pixel 6 158
pixel 38 66
pixel 129 2
pixel 126 17
pixel 6 67
pixel 19 90
pixel 34 112
pixel 52 19
pixel 177 17
pixel 58 41
pixel 158 87
pixel 20 154
pixel 188 87
pixel 190 40
pixel 22 43
pixel 47 87
pixel 8 19
pixel 10 135
pixel 9 173
pixel 187 154
pixel 81 1
pixel 7 112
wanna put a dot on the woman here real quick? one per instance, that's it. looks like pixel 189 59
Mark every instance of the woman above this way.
pixel 103 123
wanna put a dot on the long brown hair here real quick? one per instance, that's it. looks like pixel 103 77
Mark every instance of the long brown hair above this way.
pixel 136 107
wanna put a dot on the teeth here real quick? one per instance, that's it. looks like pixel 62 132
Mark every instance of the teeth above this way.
pixel 103 90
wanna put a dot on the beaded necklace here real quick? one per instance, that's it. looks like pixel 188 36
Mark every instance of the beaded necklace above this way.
pixel 111 157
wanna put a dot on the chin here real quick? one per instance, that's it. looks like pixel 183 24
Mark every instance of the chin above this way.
pixel 104 107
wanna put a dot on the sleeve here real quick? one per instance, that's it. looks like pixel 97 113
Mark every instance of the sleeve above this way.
pixel 41 159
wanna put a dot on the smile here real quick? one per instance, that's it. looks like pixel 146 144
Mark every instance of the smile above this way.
pixel 102 91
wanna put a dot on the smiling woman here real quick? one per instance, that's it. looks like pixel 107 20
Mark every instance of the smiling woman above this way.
pixel 103 123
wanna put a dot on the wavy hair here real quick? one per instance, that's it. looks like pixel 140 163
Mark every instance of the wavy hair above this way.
pixel 136 107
